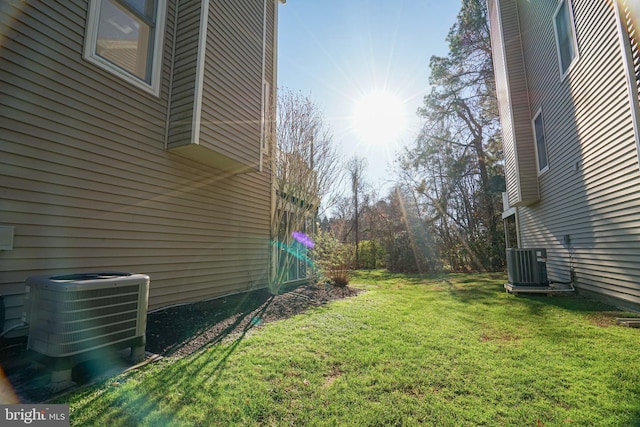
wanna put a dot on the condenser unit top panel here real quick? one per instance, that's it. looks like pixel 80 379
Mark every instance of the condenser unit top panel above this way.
pixel 86 281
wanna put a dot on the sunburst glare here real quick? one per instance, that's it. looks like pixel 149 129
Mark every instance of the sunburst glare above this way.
pixel 379 118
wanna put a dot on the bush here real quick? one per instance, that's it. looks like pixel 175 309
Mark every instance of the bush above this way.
pixel 371 255
pixel 407 255
pixel 339 278
pixel 332 259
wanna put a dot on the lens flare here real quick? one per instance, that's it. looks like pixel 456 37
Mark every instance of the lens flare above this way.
pixel 303 239
pixel 7 395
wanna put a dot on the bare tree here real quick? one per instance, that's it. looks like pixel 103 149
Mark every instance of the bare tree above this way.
pixel 305 169
pixel 355 168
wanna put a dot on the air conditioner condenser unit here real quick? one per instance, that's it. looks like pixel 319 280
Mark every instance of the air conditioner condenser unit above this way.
pixel 77 317
pixel 527 267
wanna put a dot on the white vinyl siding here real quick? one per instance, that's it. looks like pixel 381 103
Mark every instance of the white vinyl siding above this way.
pixel 125 38
pixel 590 192
pixel 513 103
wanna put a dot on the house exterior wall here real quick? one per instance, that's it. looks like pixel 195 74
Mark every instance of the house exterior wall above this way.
pixel 588 216
pixel 86 179
pixel 513 102
pixel 233 79
pixel 215 117
pixel 181 130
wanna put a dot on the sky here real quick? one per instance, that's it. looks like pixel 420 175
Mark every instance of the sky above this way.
pixel 365 63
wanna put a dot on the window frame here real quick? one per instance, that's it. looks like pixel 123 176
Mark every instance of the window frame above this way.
pixel 573 37
pixel 544 142
pixel 628 44
pixel 156 50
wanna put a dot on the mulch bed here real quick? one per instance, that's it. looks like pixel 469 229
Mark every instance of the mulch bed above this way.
pixel 179 331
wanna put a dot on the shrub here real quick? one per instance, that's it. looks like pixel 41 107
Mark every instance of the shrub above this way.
pixel 338 277
pixel 411 254
pixel 371 255
pixel 332 259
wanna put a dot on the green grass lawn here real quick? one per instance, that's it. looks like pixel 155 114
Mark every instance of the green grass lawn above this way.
pixel 450 350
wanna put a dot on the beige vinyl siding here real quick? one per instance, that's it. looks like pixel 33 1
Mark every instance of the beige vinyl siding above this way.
pixel 513 100
pixel 183 80
pixel 232 89
pixel 504 105
pixel 270 56
pixel 88 185
pixel 270 78
pixel 216 115
pixel 591 191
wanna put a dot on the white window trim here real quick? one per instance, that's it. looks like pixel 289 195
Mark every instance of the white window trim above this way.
pixel 574 39
pixel 535 142
pixel 90 44
pixel 265 118
pixel 632 88
pixel 265 105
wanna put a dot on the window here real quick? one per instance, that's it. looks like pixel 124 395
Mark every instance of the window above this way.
pixel 541 146
pixel 125 38
pixel 565 36
pixel 511 231
pixel 293 254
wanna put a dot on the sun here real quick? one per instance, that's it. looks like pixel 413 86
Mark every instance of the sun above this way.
pixel 379 118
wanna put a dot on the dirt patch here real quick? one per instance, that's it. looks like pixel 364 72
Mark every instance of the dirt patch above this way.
pixel 333 375
pixel 500 338
pixel 605 319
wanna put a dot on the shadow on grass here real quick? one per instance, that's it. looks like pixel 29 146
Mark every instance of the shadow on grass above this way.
pixel 154 399
pixel 160 397
pixel 484 288
pixel 473 289
pixel 489 287
pixel 481 287
pixel 181 330
pixel 157 398
pixel 186 378
pixel 176 331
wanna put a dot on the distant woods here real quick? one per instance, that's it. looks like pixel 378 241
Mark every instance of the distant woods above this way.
pixel 453 172
pixel 444 213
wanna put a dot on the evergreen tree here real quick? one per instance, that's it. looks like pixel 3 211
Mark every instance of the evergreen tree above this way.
pixel 457 156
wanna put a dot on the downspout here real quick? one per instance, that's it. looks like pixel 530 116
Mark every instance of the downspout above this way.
pixel 273 248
